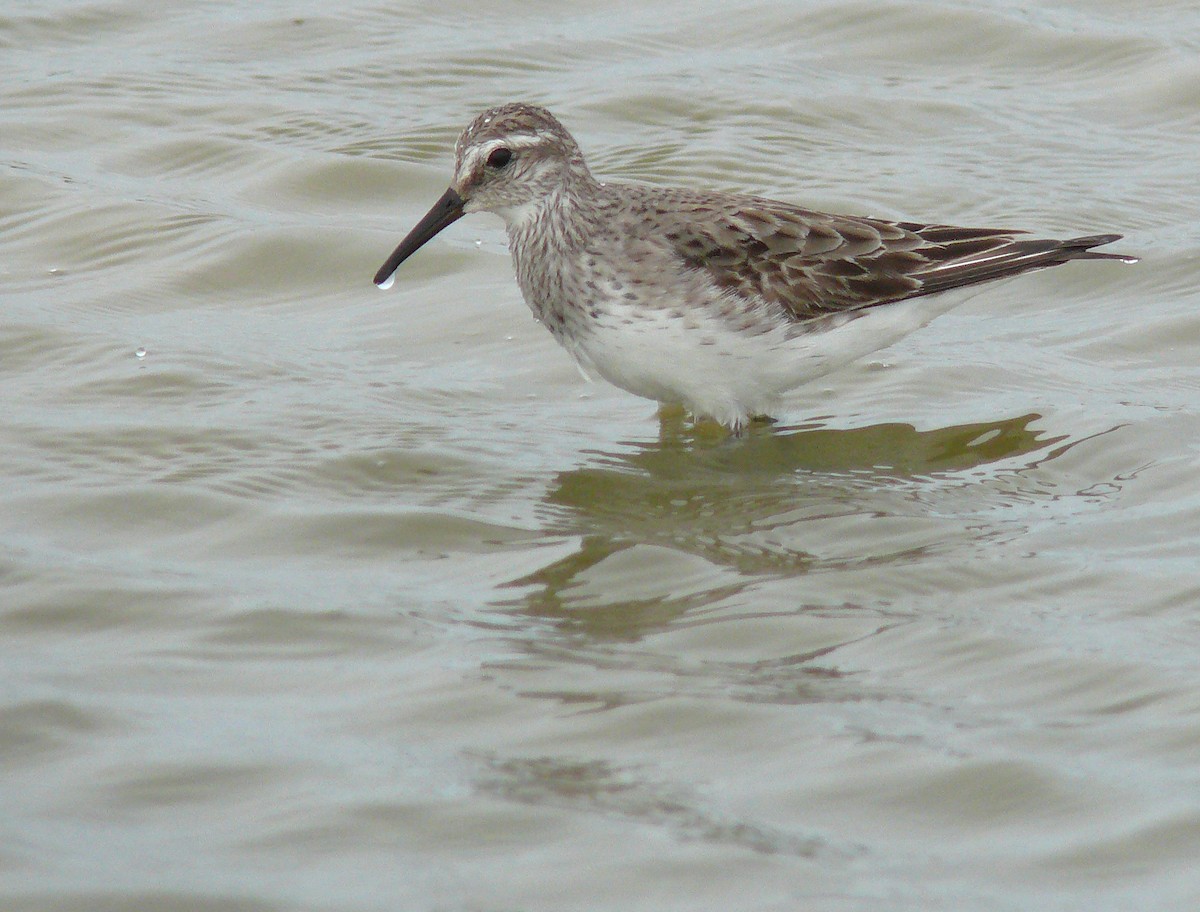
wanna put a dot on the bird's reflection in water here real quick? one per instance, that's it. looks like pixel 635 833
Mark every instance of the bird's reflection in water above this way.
pixel 724 513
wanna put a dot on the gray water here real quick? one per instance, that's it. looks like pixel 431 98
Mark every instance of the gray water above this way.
pixel 318 598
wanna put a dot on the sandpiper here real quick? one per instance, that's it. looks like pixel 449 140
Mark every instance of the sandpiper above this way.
pixel 718 301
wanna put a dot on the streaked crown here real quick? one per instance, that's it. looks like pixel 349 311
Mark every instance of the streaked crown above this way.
pixel 512 156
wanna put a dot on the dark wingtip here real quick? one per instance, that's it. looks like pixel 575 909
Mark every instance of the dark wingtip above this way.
pixel 1080 248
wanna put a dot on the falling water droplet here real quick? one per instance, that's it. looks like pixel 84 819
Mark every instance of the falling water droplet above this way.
pixel 140 354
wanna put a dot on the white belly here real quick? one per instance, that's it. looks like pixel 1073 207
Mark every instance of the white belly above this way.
pixel 732 375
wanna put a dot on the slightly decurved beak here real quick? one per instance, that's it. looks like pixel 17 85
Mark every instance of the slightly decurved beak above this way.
pixel 446 211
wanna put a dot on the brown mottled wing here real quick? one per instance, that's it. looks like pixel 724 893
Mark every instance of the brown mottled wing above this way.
pixel 814 264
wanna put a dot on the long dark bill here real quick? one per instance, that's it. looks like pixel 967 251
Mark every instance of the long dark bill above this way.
pixel 446 211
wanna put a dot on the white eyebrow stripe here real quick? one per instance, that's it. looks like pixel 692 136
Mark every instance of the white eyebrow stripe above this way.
pixel 516 141
pixel 513 141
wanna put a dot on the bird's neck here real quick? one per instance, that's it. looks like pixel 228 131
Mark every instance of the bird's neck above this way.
pixel 555 220
pixel 546 238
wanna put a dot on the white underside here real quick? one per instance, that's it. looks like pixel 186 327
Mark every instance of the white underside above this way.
pixel 732 376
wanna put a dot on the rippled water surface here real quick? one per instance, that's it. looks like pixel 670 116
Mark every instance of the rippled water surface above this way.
pixel 318 598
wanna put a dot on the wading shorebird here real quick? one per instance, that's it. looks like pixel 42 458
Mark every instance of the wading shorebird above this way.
pixel 717 301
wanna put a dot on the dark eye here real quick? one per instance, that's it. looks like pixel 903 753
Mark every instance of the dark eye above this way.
pixel 499 157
